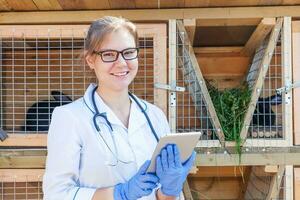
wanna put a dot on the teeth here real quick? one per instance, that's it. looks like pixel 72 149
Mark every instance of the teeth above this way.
pixel 120 74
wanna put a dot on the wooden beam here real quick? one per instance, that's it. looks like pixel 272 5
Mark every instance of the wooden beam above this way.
pixel 29 140
pixel 263 68
pixel 250 156
pixel 227 22
pixel 222 50
pixel 21 175
pixel 219 171
pixel 275 184
pixel 286 77
pixel 297 182
pixel 271 168
pixel 172 73
pixel 64 17
pixel 190 27
pixel 296 77
pixel 260 33
pixel 200 83
pixel 35 158
pixel 160 62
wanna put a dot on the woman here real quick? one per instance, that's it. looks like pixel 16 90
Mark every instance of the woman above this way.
pixel 100 145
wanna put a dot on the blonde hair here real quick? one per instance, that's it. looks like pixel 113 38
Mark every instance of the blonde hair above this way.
pixel 100 28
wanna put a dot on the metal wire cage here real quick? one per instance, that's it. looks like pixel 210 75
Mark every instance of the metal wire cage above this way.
pixel 43 67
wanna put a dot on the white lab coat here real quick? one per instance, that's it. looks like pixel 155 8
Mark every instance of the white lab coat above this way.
pixel 77 161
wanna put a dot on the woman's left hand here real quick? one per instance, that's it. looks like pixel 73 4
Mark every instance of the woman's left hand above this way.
pixel 170 171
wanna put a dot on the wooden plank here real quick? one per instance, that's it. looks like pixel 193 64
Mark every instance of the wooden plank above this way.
pixel 21 175
pixel 95 4
pixel 22 5
pixel 214 156
pixel 271 168
pixel 35 158
pixel 44 31
pixel 55 5
pixel 172 73
pixel 121 4
pixel 148 14
pixel 4 6
pixel 213 171
pixel 224 51
pixel 288 190
pixel 47 4
pixel 275 184
pixel 190 27
pixel 286 60
pixel 30 140
pixel 260 33
pixel 160 64
pixel 264 65
pixel 187 191
pixel 297 182
pixel 296 77
pixel 201 83
pixel 227 22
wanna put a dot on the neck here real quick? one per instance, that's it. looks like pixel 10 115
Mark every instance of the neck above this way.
pixel 116 100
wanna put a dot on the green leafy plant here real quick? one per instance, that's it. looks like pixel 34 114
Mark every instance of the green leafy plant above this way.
pixel 231 106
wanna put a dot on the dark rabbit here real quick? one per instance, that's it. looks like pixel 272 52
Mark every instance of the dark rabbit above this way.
pixel 263 114
pixel 39 114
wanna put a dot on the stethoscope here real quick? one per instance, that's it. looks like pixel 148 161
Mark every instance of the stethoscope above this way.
pixel 97 114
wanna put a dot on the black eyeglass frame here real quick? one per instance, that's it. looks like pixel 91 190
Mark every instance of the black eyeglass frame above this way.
pixel 118 53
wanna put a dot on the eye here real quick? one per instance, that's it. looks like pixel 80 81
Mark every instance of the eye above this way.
pixel 129 52
pixel 109 53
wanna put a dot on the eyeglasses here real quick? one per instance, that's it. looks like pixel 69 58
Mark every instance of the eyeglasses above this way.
pixel 113 55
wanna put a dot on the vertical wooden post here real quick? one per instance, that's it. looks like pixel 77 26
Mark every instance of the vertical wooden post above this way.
pixel 288 192
pixel 296 77
pixel 160 65
pixel 172 73
pixel 287 79
pixel 297 183
pixel 1 85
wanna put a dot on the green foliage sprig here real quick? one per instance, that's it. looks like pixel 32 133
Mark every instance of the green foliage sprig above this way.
pixel 231 106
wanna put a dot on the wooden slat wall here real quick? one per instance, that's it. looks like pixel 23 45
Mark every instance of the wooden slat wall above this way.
pixel 127 4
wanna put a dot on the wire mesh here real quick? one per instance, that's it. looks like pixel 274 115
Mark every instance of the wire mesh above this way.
pixel 268 115
pixel 11 189
pixel 40 71
pixel 192 109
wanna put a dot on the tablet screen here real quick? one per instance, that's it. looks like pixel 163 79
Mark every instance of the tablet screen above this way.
pixel 186 142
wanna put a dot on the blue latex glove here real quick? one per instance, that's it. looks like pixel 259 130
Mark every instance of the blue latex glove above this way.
pixel 170 171
pixel 141 184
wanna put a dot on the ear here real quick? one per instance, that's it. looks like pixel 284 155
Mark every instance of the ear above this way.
pixel 90 59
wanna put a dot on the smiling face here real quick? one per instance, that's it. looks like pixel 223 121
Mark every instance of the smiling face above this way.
pixel 119 74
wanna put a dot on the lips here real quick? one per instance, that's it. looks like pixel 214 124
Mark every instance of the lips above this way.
pixel 119 74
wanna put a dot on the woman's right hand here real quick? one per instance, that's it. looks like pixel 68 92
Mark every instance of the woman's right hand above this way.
pixel 141 184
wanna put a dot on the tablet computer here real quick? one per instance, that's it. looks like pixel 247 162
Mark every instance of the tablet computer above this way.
pixel 186 142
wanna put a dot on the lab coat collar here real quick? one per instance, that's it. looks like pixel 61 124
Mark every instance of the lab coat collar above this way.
pixel 136 118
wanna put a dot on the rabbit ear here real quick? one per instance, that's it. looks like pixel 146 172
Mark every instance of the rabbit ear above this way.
pixel 59 96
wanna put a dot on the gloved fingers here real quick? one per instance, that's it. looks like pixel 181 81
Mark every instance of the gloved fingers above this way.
pixel 177 159
pixel 144 167
pixel 164 159
pixel 146 192
pixel 148 186
pixel 159 168
pixel 149 178
pixel 188 164
pixel 170 152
